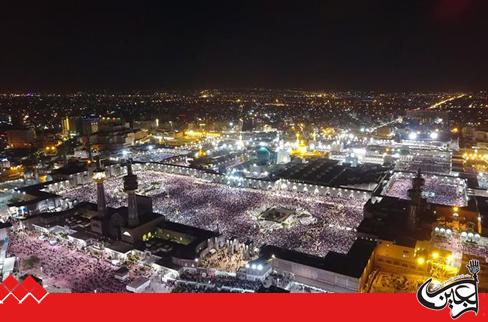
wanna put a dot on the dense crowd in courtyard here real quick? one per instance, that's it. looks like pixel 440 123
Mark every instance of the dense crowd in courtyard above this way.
pixel 437 189
pixel 64 266
pixel 438 162
pixel 190 281
pixel 227 209
pixel 156 155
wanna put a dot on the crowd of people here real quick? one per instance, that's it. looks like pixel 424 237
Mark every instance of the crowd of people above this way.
pixel 224 260
pixel 437 189
pixel 157 154
pixel 456 244
pixel 63 266
pixel 216 282
pixel 183 287
pixel 225 209
pixel 440 162
pixel 114 190
pixel 386 282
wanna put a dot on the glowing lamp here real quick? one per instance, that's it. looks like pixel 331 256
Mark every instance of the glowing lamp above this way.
pixel 412 136
pixel 99 175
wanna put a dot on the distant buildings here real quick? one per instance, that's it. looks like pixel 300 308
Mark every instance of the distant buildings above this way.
pixel 21 138
pixel 354 147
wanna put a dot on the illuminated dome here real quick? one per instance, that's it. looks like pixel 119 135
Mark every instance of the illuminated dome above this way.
pixel 263 154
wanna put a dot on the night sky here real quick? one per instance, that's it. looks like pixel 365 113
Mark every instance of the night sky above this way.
pixel 381 45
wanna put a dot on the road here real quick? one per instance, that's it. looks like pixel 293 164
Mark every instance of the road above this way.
pixel 452 98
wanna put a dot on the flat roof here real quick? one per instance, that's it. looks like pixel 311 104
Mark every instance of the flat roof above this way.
pixel 166 262
pixel 138 282
pixel 350 264
pixel 122 271
pixel 120 246
pixel 33 197
pixel 83 235
pixel 70 168
pixel 200 234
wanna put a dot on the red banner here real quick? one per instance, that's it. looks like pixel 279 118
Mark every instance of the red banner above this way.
pixel 231 307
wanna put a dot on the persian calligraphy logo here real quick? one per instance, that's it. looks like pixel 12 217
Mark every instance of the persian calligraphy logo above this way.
pixel 460 294
pixel 12 289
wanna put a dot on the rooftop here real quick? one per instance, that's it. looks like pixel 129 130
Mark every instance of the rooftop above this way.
pixel 350 264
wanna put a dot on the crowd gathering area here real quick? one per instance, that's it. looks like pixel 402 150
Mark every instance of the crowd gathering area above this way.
pixel 193 282
pixel 434 161
pixel 442 190
pixel 231 211
pixel 157 155
pixel 224 260
pixel 63 266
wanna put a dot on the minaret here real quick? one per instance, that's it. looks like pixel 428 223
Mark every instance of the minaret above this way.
pixel 416 200
pixel 130 186
pixel 99 178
